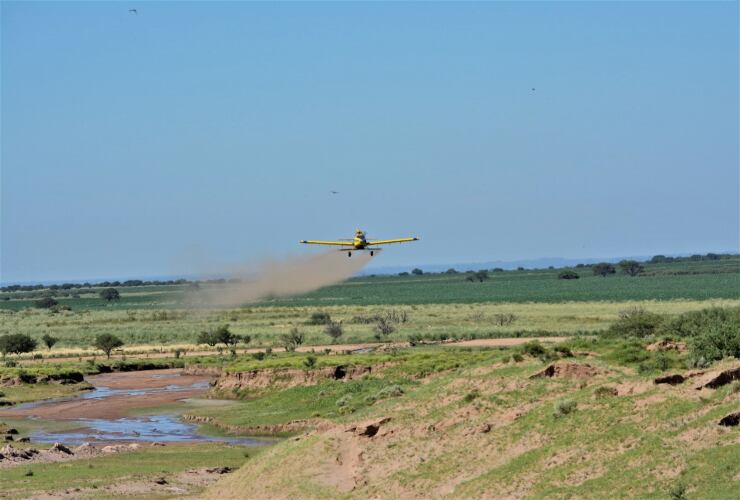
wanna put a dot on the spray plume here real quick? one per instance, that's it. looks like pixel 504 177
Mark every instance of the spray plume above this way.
pixel 291 276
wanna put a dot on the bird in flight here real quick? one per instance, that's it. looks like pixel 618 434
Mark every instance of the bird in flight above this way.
pixel 132 11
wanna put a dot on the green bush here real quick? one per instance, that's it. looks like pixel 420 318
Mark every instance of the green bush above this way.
pixel 695 323
pixel 344 400
pixel 564 407
pixel 713 333
pixel 534 349
pixel 469 397
pixel 309 361
pixel 392 391
pixel 636 322
pixel 568 275
pixel 319 318
pixel 716 343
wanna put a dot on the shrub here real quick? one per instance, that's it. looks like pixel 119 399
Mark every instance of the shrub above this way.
pixel 344 400
pixel 517 358
pixel 568 275
pixel 417 271
pixel 391 391
pixel 504 319
pixel 563 351
pixel 319 318
pixel 605 392
pixel 677 491
pixel 45 303
pixel 695 323
pixel 716 343
pixel 564 407
pixel 259 356
pixel 469 397
pixel 636 322
pixel 292 339
pixel 334 330
pixel 384 327
pixel 310 361
pixel 534 349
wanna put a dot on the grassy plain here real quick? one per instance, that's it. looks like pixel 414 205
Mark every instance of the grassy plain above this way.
pixel 100 477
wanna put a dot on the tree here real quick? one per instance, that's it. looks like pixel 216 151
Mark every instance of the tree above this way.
pixel 631 267
pixel 603 269
pixel 224 336
pixel 417 271
pixel 46 303
pixel 49 341
pixel 334 330
pixel 568 274
pixel 480 276
pixel 107 342
pixel 208 338
pixel 16 343
pixel 109 294
pixel 451 270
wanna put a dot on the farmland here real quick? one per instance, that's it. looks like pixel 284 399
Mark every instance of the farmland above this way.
pixel 597 424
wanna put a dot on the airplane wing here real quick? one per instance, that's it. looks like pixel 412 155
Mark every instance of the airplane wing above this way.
pixel 387 242
pixel 317 242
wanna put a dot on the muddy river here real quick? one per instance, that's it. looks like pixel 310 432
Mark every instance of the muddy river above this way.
pixel 124 407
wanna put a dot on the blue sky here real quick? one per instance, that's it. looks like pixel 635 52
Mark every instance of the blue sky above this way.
pixel 199 134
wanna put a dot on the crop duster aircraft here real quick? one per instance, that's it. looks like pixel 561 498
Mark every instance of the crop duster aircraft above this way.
pixel 359 242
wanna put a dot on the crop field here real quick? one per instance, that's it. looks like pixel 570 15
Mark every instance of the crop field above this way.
pixel 699 280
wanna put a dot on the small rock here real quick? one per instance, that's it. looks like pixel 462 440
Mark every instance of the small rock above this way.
pixel 484 428
pixel 11 431
pixel 24 440
pixel 9 438
pixel 157 443
pixel 161 480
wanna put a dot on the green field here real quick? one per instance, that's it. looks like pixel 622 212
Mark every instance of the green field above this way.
pixel 698 280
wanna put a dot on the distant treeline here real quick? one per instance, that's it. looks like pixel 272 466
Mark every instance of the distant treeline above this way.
pixel 106 284
pixel 76 287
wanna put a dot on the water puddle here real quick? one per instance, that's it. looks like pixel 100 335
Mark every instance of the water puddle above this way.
pixel 167 428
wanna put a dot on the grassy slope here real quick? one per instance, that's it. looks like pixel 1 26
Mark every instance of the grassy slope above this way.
pixel 643 444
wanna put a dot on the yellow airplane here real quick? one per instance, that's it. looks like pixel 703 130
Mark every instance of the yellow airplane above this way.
pixel 359 242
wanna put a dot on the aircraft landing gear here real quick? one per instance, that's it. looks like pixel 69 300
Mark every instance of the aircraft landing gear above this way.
pixel 372 253
pixel 349 254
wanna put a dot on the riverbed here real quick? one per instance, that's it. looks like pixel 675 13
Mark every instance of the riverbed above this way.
pixel 142 406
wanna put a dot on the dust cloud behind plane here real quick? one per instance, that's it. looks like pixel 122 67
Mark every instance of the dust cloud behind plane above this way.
pixel 279 278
